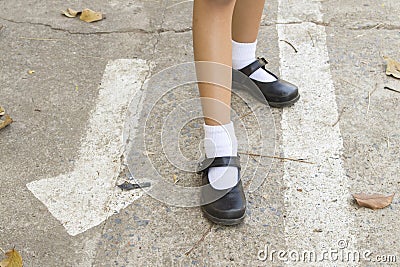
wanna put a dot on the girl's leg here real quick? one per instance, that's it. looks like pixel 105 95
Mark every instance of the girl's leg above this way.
pixel 246 20
pixel 212 24
pixel 245 25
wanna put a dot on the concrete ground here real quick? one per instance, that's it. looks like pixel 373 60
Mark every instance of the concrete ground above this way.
pixel 53 108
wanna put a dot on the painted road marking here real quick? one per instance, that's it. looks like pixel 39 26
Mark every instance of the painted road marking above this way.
pixel 308 133
pixel 87 196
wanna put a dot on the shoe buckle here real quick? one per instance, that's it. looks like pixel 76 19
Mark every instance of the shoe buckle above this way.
pixel 262 61
pixel 199 168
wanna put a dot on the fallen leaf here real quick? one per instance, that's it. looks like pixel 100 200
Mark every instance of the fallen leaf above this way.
pixel 2 111
pixel 70 13
pixel 90 15
pixel 31 71
pixel 126 186
pixel 73 12
pixel 175 179
pixel 147 153
pixel 5 122
pixel 392 67
pixel 373 201
pixel 13 259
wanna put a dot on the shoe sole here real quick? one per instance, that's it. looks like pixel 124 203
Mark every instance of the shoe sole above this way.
pixel 221 221
pixel 284 104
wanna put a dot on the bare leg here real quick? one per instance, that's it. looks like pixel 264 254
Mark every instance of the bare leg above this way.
pixel 212 24
pixel 212 42
pixel 245 25
pixel 246 20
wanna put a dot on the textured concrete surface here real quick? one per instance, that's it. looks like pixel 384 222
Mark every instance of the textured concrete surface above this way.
pixel 52 108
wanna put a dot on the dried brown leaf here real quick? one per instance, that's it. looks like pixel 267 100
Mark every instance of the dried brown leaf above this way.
pixel 5 122
pixel 373 201
pixel 147 153
pixel 392 67
pixel 176 179
pixel 90 15
pixel 73 12
pixel 13 259
pixel 70 13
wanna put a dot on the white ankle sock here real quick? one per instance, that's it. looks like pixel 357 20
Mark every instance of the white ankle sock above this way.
pixel 245 53
pixel 221 141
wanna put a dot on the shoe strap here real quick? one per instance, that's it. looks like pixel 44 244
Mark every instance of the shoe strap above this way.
pixel 252 67
pixel 219 162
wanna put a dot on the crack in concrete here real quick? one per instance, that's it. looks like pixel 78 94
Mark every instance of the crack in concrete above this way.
pixel 129 30
pixel 158 37
pixel 189 29
pixel 377 26
pixel 320 23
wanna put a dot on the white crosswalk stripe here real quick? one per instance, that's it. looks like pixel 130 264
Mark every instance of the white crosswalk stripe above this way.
pixel 308 132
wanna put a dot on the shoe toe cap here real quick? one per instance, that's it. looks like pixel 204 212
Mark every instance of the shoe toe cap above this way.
pixel 224 212
pixel 287 89
pixel 230 206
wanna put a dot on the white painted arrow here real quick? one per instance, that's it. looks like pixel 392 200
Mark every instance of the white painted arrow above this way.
pixel 87 196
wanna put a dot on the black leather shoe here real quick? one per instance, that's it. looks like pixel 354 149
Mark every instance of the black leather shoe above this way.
pixel 279 93
pixel 230 204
